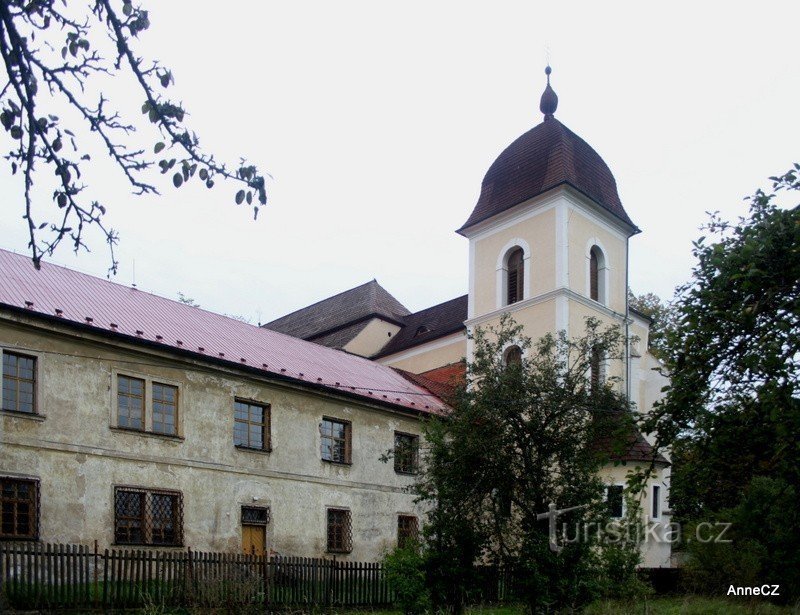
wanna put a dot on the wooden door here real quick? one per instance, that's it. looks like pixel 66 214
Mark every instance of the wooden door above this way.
pixel 254 539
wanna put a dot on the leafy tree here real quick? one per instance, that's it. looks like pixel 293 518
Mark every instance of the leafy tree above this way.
pixel 660 313
pixel 187 300
pixel 732 410
pixel 520 436
pixel 55 54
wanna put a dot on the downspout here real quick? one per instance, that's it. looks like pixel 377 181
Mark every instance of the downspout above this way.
pixel 627 321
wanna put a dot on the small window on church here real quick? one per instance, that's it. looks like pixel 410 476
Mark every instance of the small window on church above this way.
pixel 597 267
pixel 515 273
pixel 595 362
pixel 513 356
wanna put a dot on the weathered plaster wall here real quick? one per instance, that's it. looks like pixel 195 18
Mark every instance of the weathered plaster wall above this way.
pixel 79 455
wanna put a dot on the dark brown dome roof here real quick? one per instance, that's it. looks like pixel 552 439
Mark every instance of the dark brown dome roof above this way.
pixel 546 156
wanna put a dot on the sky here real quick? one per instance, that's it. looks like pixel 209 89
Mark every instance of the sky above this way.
pixel 378 120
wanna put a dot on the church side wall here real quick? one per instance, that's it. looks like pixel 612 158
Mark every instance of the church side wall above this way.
pixel 372 338
pixel 437 353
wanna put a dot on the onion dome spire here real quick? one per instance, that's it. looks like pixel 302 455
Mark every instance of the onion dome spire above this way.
pixel 549 101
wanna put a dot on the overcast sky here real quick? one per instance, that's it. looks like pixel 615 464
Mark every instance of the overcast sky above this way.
pixel 378 121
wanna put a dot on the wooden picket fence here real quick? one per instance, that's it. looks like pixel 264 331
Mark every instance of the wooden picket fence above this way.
pixel 59 576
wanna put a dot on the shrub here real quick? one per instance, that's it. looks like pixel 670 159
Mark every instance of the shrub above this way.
pixel 405 572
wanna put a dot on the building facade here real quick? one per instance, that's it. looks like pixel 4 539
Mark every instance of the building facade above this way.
pixel 131 419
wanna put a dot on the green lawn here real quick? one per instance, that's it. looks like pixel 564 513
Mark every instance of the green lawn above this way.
pixel 691 605
pixel 678 605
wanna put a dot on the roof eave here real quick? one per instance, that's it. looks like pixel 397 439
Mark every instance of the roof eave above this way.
pixel 231 365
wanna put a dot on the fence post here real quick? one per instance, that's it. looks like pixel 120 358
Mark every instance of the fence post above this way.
pixel 96 597
pixel 265 557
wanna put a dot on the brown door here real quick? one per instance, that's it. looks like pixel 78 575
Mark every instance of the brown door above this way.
pixel 254 539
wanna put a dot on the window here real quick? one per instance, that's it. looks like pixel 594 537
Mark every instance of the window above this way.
pixel 255 515
pixel 513 356
pixel 614 500
pixel 656 501
pixel 19 383
pixel 251 428
pixel 515 276
pixel 597 270
pixel 130 402
pixel 406 453
pixel 165 408
pixel 145 405
pixel 407 529
pixel 595 364
pixel 340 536
pixel 147 517
pixel 19 508
pixel 336 440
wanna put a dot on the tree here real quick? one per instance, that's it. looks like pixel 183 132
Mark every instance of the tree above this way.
pixel 54 53
pixel 520 436
pixel 734 354
pixel 732 411
pixel 660 313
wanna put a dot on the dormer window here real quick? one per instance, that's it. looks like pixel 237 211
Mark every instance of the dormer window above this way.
pixel 421 330
pixel 515 276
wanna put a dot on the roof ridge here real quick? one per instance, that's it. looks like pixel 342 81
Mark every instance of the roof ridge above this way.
pixel 373 281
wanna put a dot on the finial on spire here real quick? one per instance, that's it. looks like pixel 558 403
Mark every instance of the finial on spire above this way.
pixel 549 101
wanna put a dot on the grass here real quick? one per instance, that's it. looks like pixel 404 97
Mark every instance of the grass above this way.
pixel 690 605
pixel 675 605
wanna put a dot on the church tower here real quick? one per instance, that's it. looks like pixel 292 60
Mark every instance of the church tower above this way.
pixel 548 237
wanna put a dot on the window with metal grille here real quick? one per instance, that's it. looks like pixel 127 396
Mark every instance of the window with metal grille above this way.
pixel 19 508
pixel 165 409
pixel 614 500
pixel 148 517
pixel 515 273
pixel 340 535
pixel 407 529
pixel 19 382
pixel 336 439
pixel 130 402
pixel 251 427
pixel 255 515
pixel 406 453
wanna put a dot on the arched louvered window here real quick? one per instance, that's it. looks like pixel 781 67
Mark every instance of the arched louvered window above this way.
pixel 597 275
pixel 513 356
pixel 594 365
pixel 516 275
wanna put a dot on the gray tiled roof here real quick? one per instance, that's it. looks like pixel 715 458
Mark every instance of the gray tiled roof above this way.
pixel 335 321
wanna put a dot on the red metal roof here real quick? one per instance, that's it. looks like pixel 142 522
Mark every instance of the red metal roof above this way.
pixel 77 297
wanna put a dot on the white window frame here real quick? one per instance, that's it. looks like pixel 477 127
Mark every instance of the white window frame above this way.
pixel 603 272
pixel 656 502
pixel 148 404
pixel 501 272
